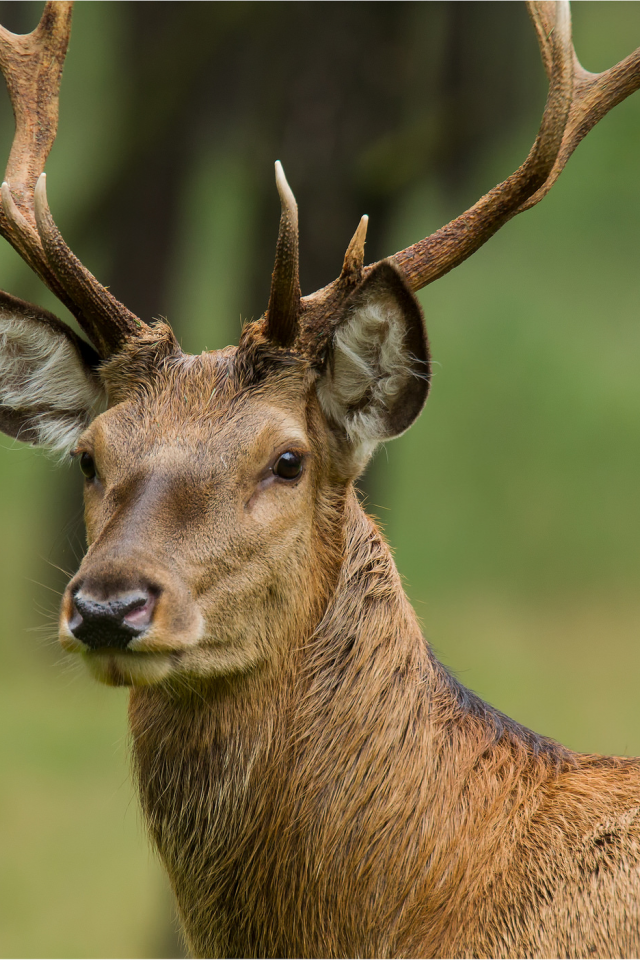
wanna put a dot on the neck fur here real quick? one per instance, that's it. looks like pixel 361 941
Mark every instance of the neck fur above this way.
pixel 352 763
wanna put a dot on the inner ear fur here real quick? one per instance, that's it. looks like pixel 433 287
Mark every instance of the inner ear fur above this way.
pixel 376 379
pixel 49 386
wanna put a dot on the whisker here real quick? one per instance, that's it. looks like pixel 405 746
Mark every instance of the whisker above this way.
pixel 56 566
pixel 45 586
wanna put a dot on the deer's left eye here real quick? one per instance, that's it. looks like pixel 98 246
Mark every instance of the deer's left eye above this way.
pixel 88 466
pixel 288 466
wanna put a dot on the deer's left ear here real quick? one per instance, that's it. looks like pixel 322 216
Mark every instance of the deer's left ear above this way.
pixel 377 376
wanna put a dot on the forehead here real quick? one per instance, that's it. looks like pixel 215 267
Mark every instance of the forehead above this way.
pixel 221 394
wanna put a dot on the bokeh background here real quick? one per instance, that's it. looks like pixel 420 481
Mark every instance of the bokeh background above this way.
pixel 512 505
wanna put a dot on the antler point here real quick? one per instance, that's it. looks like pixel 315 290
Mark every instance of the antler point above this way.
pixel 40 197
pixel 354 257
pixel 284 298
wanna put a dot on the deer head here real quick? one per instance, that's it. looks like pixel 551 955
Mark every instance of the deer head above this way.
pixel 215 484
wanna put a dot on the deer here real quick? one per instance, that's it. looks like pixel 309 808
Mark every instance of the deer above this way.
pixel 314 781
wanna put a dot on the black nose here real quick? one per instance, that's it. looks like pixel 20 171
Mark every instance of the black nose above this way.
pixel 113 622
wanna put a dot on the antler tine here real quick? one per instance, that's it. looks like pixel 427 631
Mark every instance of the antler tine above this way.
pixel 284 298
pixel 89 297
pixel 595 94
pixel 354 257
pixel 32 66
pixel 425 261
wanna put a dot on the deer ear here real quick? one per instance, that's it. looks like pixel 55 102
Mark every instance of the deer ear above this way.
pixel 49 388
pixel 377 376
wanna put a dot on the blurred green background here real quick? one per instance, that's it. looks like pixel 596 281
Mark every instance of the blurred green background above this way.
pixel 511 505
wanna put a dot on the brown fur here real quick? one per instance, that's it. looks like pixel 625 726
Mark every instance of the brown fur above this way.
pixel 365 804
pixel 314 780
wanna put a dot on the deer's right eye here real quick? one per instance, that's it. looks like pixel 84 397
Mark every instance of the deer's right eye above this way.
pixel 88 466
pixel 288 466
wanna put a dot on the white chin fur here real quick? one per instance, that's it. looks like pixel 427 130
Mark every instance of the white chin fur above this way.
pixel 129 669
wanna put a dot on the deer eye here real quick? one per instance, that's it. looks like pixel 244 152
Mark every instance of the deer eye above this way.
pixel 288 466
pixel 87 465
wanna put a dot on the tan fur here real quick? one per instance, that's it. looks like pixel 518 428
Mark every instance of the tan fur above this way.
pixel 315 782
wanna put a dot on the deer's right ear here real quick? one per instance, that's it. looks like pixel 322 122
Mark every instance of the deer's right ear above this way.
pixel 376 379
pixel 49 388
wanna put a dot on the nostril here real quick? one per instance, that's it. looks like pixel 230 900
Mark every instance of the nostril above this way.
pixel 75 619
pixel 140 613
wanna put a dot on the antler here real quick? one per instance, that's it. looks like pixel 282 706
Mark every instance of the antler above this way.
pixel 576 101
pixel 587 96
pixel 594 95
pixel 591 96
pixel 32 66
pixel 284 298
pixel 434 256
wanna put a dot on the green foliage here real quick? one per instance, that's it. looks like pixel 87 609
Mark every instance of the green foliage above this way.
pixel 513 503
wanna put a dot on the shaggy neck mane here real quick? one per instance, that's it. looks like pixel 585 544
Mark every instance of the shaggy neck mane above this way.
pixel 265 794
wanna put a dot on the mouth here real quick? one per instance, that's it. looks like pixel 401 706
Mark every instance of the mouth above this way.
pixel 128 668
